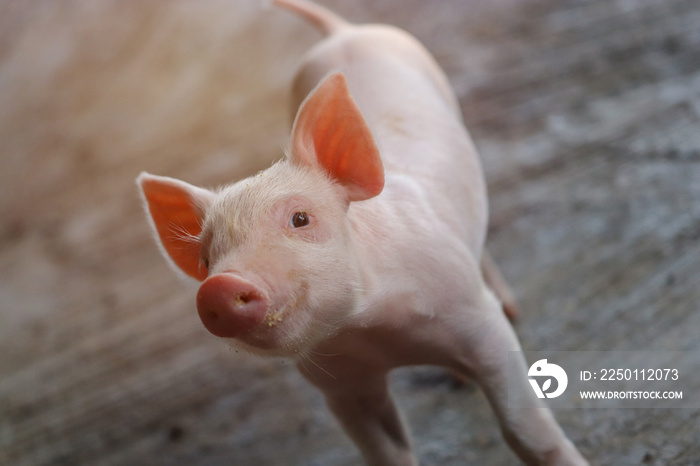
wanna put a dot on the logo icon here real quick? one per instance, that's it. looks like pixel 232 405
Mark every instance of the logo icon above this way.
pixel 546 372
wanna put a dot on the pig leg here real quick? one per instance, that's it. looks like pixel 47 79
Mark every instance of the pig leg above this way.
pixel 485 341
pixel 360 400
pixel 495 281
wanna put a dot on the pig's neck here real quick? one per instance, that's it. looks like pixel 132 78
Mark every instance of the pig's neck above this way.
pixel 393 257
pixel 398 246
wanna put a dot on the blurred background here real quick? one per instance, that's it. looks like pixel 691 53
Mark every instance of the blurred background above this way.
pixel 587 117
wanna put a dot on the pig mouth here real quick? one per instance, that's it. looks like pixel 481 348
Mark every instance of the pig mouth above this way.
pixel 295 302
pixel 241 311
pixel 275 334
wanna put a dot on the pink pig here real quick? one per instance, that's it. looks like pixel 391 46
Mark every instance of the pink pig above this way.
pixel 366 242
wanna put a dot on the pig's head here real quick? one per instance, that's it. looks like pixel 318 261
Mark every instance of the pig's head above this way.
pixel 274 252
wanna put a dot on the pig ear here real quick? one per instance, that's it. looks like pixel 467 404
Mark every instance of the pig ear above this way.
pixel 329 131
pixel 176 210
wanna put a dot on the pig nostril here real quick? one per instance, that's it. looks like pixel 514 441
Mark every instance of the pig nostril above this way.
pixel 244 298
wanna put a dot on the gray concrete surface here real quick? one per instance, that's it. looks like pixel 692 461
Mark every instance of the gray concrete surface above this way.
pixel 587 116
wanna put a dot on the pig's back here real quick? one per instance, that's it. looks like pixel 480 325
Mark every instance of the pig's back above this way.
pixel 415 118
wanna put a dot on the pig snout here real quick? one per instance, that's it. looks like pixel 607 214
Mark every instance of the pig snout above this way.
pixel 230 306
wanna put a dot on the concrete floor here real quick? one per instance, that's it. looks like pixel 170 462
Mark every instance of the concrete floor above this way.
pixel 587 117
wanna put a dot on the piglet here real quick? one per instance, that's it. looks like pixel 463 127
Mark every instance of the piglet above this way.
pixel 365 242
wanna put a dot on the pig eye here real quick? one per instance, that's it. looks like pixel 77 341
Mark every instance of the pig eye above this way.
pixel 205 263
pixel 299 219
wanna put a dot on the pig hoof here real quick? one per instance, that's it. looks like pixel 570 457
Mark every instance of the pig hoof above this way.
pixel 459 379
pixel 511 309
